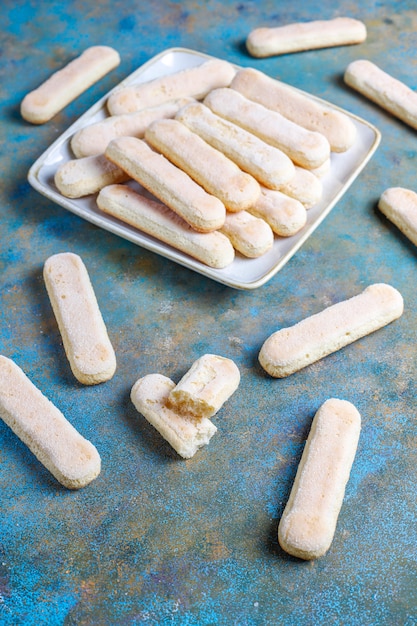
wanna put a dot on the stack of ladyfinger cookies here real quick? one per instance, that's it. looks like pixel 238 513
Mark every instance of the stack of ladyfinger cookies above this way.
pixel 222 160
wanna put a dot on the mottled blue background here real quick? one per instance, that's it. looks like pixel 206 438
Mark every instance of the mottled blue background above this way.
pixel 158 540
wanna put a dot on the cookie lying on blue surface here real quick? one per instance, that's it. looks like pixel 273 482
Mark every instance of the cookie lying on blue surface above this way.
pixel 73 460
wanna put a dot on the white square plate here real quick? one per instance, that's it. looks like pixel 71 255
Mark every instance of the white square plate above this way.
pixel 242 273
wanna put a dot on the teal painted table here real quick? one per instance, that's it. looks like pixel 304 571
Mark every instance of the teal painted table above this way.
pixel 159 540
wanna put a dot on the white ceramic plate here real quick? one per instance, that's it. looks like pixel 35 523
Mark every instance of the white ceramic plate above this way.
pixel 242 273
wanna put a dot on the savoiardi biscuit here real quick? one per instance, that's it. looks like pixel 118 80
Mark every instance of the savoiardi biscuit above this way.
pixel 285 215
pixel 305 187
pixel 250 235
pixel 213 249
pixel 288 350
pixel 399 205
pixel 194 82
pixel 314 115
pixel 299 36
pixel 309 520
pixel 83 331
pixel 94 138
pixel 167 182
pixel 388 92
pixel 77 178
pixel 43 103
pixel 209 167
pixel 306 148
pixel 70 458
pixel 267 164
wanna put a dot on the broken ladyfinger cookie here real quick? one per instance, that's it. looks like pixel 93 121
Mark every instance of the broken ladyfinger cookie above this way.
pixel 206 386
pixel 186 435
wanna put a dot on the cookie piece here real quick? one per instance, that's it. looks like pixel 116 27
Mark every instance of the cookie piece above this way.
pixel 186 435
pixel 203 390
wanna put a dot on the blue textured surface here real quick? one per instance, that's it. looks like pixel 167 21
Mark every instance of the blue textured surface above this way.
pixel 157 540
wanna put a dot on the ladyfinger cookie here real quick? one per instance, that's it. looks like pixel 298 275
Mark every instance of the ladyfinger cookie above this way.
pixel 209 167
pixel 81 177
pixel 305 187
pixel 285 215
pixel 383 89
pixel 194 82
pixel 340 31
pixel 323 169
pixel 186 435
pixel 269 165
pixel 168 183
pixel 308 524
pixel 250 235
pixel 399 205
pixel 84 334
pixel 42 104
pixel 297 107
pixel 70 458
pixel 213 249
pixel 307 148
pixel 290 349
pixel 203 390
pixel 94 138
